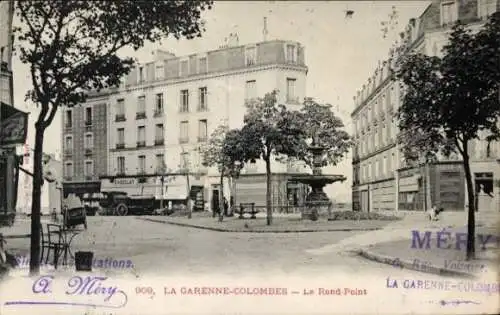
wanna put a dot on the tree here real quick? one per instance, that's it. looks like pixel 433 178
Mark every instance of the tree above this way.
pixel 226 150
pixel 323 128
pixel 71 48
pixel 270 130
pixel 450 101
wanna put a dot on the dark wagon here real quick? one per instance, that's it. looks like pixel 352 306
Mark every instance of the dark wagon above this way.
pixel 120 203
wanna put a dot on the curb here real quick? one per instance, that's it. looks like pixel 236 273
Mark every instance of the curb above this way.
pixel 255 231
pixel 396 262
pixel 16 236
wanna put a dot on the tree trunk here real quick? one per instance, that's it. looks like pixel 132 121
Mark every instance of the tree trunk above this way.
pixel 268 191
pixel 35 202
pixel 221 198
pixel 471 222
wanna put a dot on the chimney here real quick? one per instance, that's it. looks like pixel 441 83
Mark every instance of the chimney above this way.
pixel 162 55
pixel 232 40
pixel 264 30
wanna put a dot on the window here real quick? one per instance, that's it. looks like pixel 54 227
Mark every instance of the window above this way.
pixel 120 135
pixel 89 168
pixel 120 107
pixel 184 132
pixel 184 68
pixel 89 141
pixel 68 144
pixel 389 169
pixel 202 65
pixel 121 165
pixel 68 169
pixel 142 164
pixel 202 130
pixel 159 71
pixel 184 160
pixel 160 162
pixel 68 119
pixel 159 135
pixel 141 104
pixel 290 90
pixel 448 12
pixel 88 116
pixel 486 8
pixel 159 103
pixel 184 101
pixel 250 90
pixel 141 133
pixel 291 53
pixel 384 166
pixel 250 56
pixel 141 74
pixel 202 98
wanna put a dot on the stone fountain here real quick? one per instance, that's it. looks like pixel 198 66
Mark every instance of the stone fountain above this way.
pixel 317 202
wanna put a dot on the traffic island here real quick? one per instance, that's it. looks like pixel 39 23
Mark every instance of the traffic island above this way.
pixel 279 225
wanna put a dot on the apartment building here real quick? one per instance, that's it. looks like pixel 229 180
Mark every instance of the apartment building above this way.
pixel 166 109
pixel 85 146
pixel 381 178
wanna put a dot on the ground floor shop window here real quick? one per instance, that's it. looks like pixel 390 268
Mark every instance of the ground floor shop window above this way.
pixel 408 200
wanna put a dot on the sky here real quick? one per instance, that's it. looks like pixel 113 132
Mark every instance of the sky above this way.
pixel 341 53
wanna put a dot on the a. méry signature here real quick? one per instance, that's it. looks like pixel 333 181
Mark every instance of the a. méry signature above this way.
pixel 78 286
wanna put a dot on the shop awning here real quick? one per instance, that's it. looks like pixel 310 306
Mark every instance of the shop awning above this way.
pixel 13 125
pixel 82 187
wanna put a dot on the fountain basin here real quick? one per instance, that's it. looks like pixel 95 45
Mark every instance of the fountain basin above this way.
pixel 317 202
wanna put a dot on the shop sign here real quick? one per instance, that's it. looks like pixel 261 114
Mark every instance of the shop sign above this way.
pixel 125 181
pixel 14 125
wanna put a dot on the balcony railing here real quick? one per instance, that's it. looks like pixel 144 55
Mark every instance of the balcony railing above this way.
pixel 158 113
pixel 120 173
pixel 120 117
pixel 202 138
pixel 68 178
pixel 120 145
pixel 89 177
pixel 88 123
pixel 203 108
pixel 140 115
pixel 141 144
pixel 159 141
pixel 183 140
pixel 68 152
pixel 68 126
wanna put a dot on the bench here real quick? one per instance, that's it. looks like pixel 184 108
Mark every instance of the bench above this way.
pixel 247 208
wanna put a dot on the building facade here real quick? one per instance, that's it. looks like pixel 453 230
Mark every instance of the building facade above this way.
pixel 13 123
pixel 85 146
pixel 382 180
pixel 165 110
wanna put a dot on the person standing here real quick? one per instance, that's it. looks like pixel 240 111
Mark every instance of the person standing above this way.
pixel 226 207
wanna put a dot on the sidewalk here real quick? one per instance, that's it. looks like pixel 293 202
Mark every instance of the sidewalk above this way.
pixel 393 243
pixel 281 224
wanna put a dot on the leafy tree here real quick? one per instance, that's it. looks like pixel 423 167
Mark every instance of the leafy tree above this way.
pixel 225 150
pixel 270 130
pixel 71 48
pixel 450 101
pixel 323 128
